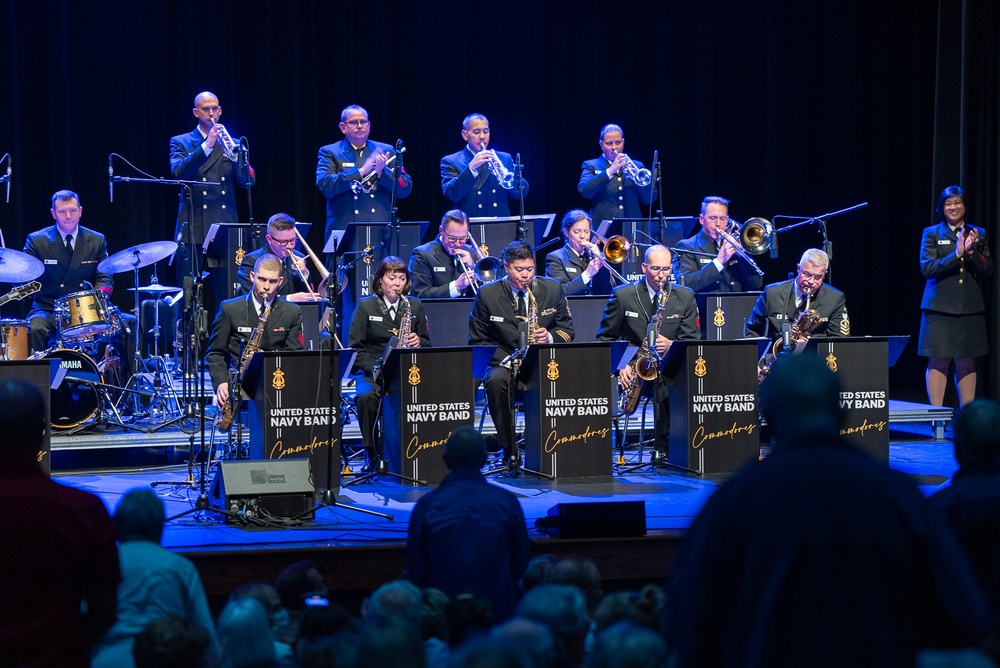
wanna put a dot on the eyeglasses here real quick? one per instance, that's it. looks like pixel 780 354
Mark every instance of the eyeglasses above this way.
pixel 657 270
pixel 456 240
pixel 813 277
pixel 358 123
pixel 283 242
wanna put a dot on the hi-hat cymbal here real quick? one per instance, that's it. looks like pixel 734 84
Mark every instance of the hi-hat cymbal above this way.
pixel 137 256
pixel 17 266
pixel 157 289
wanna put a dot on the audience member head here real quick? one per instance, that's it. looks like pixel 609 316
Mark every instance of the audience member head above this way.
pixel 801 396
pixel 537 571
pixel 531 639
pixel 625 645
pixel 334 651
pixel 563 610
pixel 397 601
pixel 395 644
pixel 245 636
pixel 468 617
pixel 434 620
pixel 297 580
pixel 171 642
pixel 22 412
pixel 643 608
pixel 487 653
pixel 268 597
pixel 139 516
pixel 325 620
pixel 977 433
pixel 465 449
pixel 581 573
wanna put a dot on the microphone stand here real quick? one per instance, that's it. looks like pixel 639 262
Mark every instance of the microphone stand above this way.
pixel 522 225
pixel 243 166
pixel 393 217
pixel 819 220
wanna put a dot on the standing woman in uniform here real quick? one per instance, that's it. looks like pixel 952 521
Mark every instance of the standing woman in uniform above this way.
pixel 956 262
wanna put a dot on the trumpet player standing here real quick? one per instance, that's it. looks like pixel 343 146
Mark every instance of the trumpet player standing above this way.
pixel 344 175
pixel 726 271
pixel 611 188
pixel 477 180
pixel 281 240
pixel 200 156
pixel 628 315
pixel 444 267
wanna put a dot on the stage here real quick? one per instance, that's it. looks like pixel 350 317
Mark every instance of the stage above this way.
pixel 357 551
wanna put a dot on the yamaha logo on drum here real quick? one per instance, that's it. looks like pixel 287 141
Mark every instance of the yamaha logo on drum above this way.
pixel 71 364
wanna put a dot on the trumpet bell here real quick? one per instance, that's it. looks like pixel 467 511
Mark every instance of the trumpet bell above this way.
pixel 755 235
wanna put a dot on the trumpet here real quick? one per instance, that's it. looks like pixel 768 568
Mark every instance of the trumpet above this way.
pixel 642 177
pixel 615 250
pixel 229 147
pixel 369 181
pixel 497 169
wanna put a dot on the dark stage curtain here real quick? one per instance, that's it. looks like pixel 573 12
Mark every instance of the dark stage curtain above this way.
pixel 784 107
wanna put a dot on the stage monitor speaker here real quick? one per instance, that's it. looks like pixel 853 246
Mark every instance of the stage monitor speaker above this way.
pixel 604 519
pixel 265 489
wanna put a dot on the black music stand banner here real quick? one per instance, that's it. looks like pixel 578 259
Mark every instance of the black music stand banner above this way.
pixel 43 374
pixel 429 394
pixel 714 415
pixel 290 408
pixel 724 314
pixel 862 363
pixel 496 232
pixel 567 409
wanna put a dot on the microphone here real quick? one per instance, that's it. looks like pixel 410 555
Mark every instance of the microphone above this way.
pixel 651 337
pixel 8 178
pixel 241 160
pixel 656 163
pixel 786 338
pixel 774 244
pixel 522 335
pixel 111 181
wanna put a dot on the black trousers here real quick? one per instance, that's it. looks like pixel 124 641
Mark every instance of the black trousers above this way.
pixel 368 398
pixel 500 388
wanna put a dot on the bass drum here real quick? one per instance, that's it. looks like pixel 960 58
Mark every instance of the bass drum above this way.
pixel 76 402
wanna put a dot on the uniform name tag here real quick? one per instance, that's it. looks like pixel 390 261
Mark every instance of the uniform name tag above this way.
pixel 572 270
pixel 244 330
pixel 374 318
pixel 599 172
pixel 944 242
pixel 496 318
pixel 51 261
pixel 631 314
pixel 704 260
pixel 440 269
pixel 779 316
pixel 347 164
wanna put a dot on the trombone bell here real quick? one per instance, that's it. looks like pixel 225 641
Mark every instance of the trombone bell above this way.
pixel 755 235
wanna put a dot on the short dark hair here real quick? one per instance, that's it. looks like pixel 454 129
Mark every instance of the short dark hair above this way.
pixel 801 393
pixel 574 216
pixel 611 127
pixel 171 641
pixel 64 195
pixel 517 250
pixel 950 191
pixel 267 261
pixel 454 216
pixel 713 199
pixel 472 117
pixel 465 448
pixel 389 264
pixel 976 426
pixel 139 516
pixel 351 108
pixel 279 222
pixel 23 418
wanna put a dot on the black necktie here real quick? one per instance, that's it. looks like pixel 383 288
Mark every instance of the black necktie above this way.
pixel 520 303
pixel 392 313
pixel 69 244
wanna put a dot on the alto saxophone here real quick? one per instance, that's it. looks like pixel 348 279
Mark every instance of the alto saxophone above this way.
pixel 645 365
pixel 801 330
pixel 404 323
pixel 229 410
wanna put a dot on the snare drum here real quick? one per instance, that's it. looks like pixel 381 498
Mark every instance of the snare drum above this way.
pixel 14 339
pixel 82 315
pixel 75 402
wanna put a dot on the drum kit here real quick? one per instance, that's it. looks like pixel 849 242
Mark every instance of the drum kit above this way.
pixel 84 320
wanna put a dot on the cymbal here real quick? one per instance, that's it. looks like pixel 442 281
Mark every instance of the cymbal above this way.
pixel 137 256
pixel 17 266
pixel 157 289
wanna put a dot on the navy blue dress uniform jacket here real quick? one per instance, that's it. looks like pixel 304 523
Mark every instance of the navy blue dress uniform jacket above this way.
pixel 629 312
pixel 776 306
pixel 480 195
pixel 371 329
pixel 614 197
pixel 64 276
pixel 234 323
pixel 292 282
pixel 338 168
pixel 566 266
pixel 432 269
pixel 954 285
pixel 701 275
pixel 212 204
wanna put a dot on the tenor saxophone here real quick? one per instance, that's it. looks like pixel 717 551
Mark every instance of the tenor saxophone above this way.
pixel 801 331
pixel 229 410
pixel 645 364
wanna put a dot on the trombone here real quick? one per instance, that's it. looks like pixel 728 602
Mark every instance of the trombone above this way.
pixel 324 274
pixel 752 234
pixel 615 250
pixel 487 267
